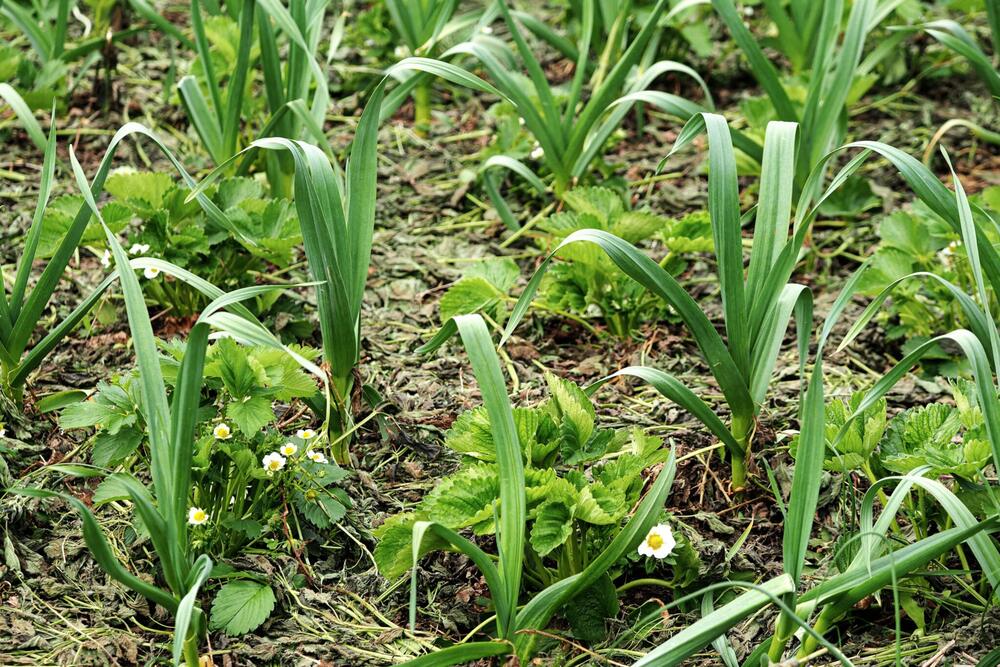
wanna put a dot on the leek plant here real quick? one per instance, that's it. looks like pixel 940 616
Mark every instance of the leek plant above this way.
pixel 953 36
pixel 872 570
pixel 288 79
pixel 514 622
pixel 46 28
pixel 14 100
pixel 570 129
pixel 336 211
pixel 171 425
pixel 758 302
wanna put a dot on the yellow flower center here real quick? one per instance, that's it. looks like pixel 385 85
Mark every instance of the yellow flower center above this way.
pixel 654 541
pixel 198 515
pixel 273 465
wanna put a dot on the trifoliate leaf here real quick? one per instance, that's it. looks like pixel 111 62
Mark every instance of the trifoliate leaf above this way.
pixel 251 414
pixel 466 499
pixel 241 606
pixel 320 507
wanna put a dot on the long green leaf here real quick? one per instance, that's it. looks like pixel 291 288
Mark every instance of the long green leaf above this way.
pixel 760 66
pixel 699 634
pixel 513 505
pixel 650 275
pixel 96 541
pixel 23 113
pixel 673 389
pixel 461 654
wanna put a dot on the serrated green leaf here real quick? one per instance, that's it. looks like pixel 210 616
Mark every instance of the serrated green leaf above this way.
pixel 589 611
pixel 241 606
pixel 601 505
pixel 251 414
pixel 320 508
pixel 468 295
pixel 552 526
pixel 240 373
pixel 573 411
pixel 111 448
pixel 467 499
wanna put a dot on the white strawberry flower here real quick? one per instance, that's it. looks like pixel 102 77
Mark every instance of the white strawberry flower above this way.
pixel 197 516
pixel 106 259
pixel 305 433
pixel 659 542
pixel 316 457
pixel 288 449
pixel 150 272
pixel 274 462
pixel 138 249
pixel 222 431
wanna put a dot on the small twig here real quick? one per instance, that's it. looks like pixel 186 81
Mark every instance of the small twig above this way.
pixel 939 656
pixel 798 662
pixel 582 649
pixel 296 551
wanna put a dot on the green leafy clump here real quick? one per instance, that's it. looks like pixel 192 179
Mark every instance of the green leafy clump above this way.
pixel 264 231
pixel 589 285
pixel 241 386
pixel 950 440
pixel 113 410
pixel 918 240
pixel 581 481
pixel 249 379
pixel 851 449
